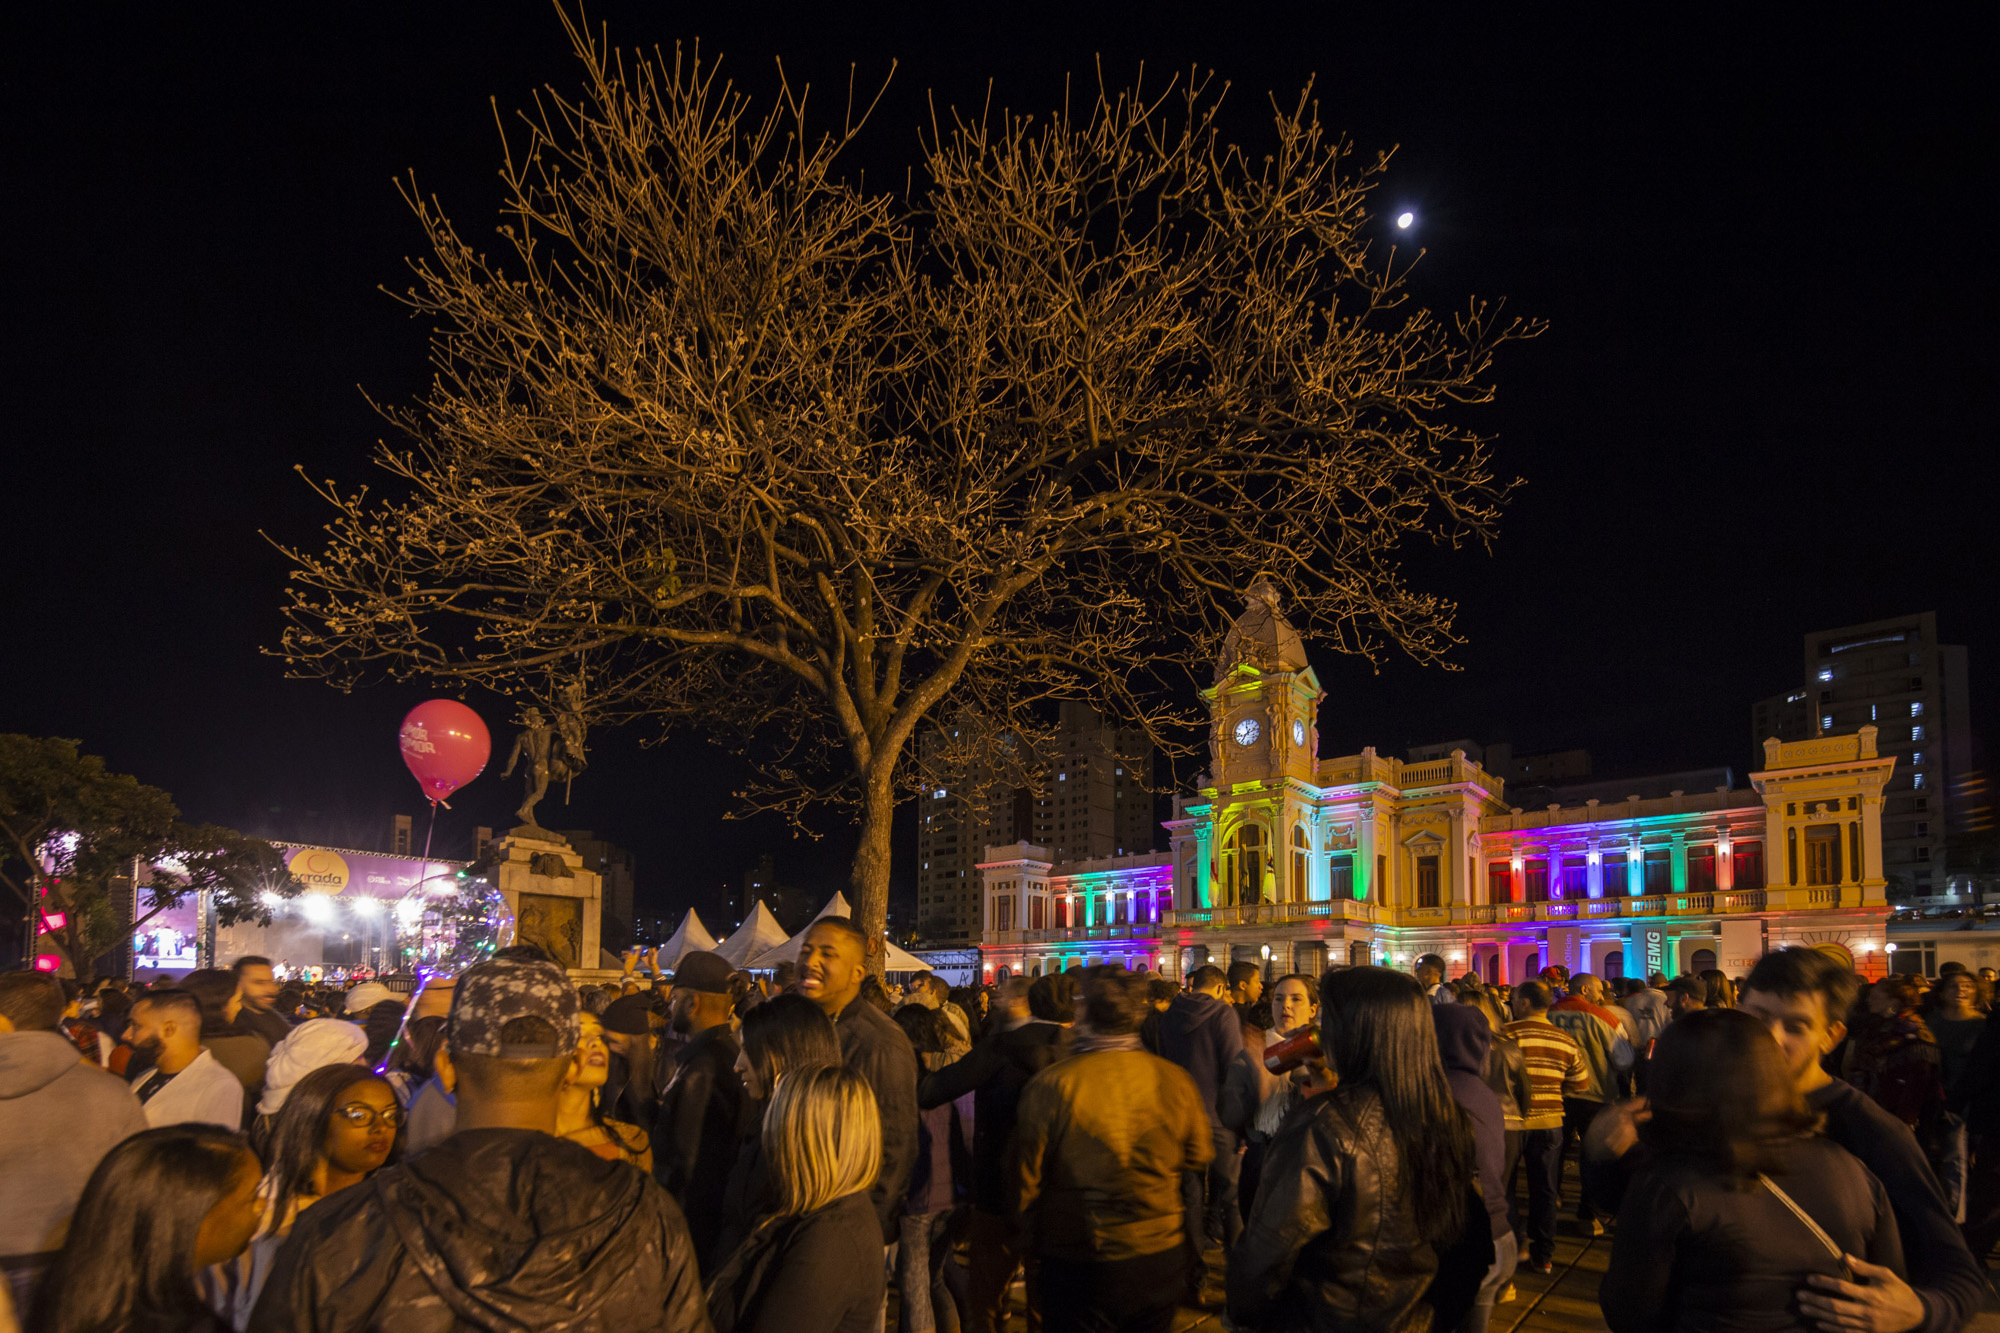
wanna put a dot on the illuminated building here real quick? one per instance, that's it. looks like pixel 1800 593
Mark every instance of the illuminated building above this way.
pixel 1298 862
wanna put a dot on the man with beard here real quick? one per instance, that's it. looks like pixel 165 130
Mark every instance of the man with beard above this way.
pixel 185 1084
pixel 696 1132
pixel 256 994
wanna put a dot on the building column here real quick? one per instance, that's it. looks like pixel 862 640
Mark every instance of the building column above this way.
pixel 1593 869
pixel 1204 865
pixel 1364 853
pixel 1457 889
pixel 1678 874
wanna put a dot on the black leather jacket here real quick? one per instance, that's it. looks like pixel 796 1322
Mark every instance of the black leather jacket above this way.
pixel 1333 1241
pixel 491 1229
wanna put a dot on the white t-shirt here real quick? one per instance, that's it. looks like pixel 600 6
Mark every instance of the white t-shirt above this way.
pixel 204 1093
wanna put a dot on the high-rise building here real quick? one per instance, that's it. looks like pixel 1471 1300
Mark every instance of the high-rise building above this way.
pixel 1895 676
pixel 1087 796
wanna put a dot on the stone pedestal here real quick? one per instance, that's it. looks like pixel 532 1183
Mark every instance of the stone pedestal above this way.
pixel 557 902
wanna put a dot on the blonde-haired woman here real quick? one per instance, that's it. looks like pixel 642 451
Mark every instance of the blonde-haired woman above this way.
pixel 815 1265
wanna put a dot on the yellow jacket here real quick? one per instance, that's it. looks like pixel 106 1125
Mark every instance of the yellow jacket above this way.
pixel 1103 1139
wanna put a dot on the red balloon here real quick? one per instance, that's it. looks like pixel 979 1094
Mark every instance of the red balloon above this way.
pixel 445 746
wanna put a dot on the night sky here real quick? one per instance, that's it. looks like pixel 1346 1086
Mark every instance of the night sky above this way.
pixel 1765 405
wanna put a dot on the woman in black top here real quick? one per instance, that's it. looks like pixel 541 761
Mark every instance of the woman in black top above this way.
pixel 815 1265
pixel 1706 1238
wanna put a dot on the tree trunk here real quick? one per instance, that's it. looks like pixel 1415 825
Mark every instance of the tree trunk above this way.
pixel 868 879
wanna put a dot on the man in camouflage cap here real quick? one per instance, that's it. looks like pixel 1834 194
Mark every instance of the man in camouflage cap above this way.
pixel 513 1009
pixel 502 1224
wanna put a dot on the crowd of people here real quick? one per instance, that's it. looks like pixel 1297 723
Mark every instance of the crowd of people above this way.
pixel 818 1150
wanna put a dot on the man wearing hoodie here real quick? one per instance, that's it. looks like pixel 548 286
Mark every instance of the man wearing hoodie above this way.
pixel 1200 1033
pixel 1465 1039
pixel 503 1224
pixel 58 1117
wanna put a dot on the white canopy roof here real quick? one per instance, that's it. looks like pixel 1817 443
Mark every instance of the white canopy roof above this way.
pixel 895 959
pixel 759 933
pixel 691 936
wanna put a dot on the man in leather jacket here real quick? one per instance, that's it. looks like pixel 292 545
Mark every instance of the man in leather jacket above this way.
pixel 502 1225
pixel 695 1136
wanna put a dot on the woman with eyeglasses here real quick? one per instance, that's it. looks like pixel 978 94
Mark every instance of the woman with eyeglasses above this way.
pixel 580 1114
pixel 338 1126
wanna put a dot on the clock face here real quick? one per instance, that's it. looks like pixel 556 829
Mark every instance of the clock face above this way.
pixel 1298 732
pixel 1247 731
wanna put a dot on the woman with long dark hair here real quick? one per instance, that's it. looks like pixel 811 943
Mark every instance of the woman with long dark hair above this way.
pixel 337 1127
pixel 1739 1202
pixel 160 1207
pixel 1367 1216
pixel 581 1116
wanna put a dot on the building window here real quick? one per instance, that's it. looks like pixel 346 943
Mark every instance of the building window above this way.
pixel 1163 903
pixel 1003 913
pixel 1923 853
pixel 1381 877
pixel 1659 870
pixel 1917 781
pixel 1923 829
pixel 1916 758
pixel 1701 869
pixel 1035 911
pixel 1535 880
pixel 1301 864
pixel 1917 708
pixel 1118 908
pixel 1500 882
pixel 1575 878
pixel 1243 865
pixel 1823 854
pixel 1427 881
pixel 1826 722
pixel 1915 958
pixel 1916 733
pixel 1340 876
pixel 1826 673
pixel 1749 865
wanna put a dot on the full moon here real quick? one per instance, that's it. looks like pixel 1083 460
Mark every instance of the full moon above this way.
pixel 1405 220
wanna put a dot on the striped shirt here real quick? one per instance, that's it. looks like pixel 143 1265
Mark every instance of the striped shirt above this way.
pixel 1555 1066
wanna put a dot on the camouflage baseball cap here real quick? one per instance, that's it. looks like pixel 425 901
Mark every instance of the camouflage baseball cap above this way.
pixel 492 994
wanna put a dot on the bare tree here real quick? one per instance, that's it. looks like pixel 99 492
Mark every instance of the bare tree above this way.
pixel 722 436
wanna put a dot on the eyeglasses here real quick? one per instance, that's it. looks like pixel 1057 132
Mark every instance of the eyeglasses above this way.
pixel 363 1116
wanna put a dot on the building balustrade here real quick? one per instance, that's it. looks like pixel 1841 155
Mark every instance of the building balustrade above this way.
pixel 1275 914
pixel 1477 914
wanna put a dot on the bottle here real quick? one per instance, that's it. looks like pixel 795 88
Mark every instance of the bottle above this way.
pixel 1293 1051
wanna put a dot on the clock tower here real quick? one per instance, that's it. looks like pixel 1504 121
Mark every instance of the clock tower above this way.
pixel 1264 705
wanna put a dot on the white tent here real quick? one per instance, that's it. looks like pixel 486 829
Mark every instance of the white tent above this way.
pixel 691 936
pixel 758 935
pixel 897 960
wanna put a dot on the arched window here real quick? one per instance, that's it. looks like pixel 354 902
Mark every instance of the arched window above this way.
pixel 1301 864
pixel 1243 859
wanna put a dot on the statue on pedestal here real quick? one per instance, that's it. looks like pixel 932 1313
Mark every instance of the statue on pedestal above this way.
pixel 553 752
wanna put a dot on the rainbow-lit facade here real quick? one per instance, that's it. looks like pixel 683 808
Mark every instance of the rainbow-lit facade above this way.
pixel 1299 862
